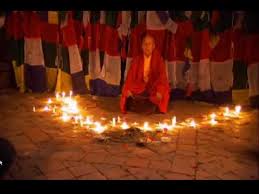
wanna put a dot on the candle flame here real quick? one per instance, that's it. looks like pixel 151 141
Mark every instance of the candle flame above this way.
pixel 46 108
pixel 54 109
pixel 65 117
pixel 119 119
pixel 34 109
pixel 113 122
pixel 226 113
pixel 124 125
pixel 99 128
pixel 49 101
pixel 70 94
pixel 57 96
pixel 146 126
pixel 213 122
pixel 174 121
pixel 213 116
pixel 88 121
pixel 164 126
pixel 193 124
pixel 237 109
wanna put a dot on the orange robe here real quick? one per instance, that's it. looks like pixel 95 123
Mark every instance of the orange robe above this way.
pixel 157 82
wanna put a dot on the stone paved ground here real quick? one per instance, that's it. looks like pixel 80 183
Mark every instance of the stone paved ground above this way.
pixel 50 149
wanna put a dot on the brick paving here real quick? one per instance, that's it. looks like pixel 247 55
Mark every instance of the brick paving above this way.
pixel 50 149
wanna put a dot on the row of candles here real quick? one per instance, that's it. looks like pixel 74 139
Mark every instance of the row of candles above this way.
pixel 67 107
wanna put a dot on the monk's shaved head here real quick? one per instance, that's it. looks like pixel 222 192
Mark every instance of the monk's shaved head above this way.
pixel 148 44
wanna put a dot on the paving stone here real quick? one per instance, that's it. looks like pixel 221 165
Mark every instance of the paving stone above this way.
pixel 184 165
pixel 68 155
pixel 97 157
pixel 60 175
pixel 137 162
pixel 114 173
pixel 36 135
pixel 145 174
pixel 82 169
pixel 101 167
pixel 118 160
pixel 48 166
pixel 160 164
pixel 176 176
pixel 92 176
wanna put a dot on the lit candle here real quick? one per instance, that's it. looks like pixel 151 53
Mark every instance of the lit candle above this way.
pixel 34 109
pixel 146 127
pixel 46 108
pixel 113 122
pixel 124 125
pixel 81 122
pixel 99 128
pixel 119 119
pixel 226 113
pixel 49 101
pixel 88 121
pixel 213 122
pixel 135 124
pixel 70 94
pixel 213 116
pixel 76 119
pixel 237 109
pixel 174 121
pixel 57 96
pixel 54 109
pixel 65 117
pixel 193 124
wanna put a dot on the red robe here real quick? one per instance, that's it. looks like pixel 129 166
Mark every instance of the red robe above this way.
pixel 157 82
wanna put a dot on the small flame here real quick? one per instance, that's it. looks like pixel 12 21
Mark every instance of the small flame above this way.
pixel 113 122
pixel 213 122
pixel 193 124
pixel 226 113
pixel 34 109
pixel 65 117
pixel 124 125
pixel 49 101
pixel 54 109
pixel 46 108
pixel 70 94
pixel 213 116
pixel 88 121
pixel 237 109
pixel 119 119
pixel 174 121
pixel 146 126
pixel 99 128
pixel 135 123
pixel 57 96
pixel 164 126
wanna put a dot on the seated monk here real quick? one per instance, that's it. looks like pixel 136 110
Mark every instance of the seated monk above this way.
pixel 147 78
